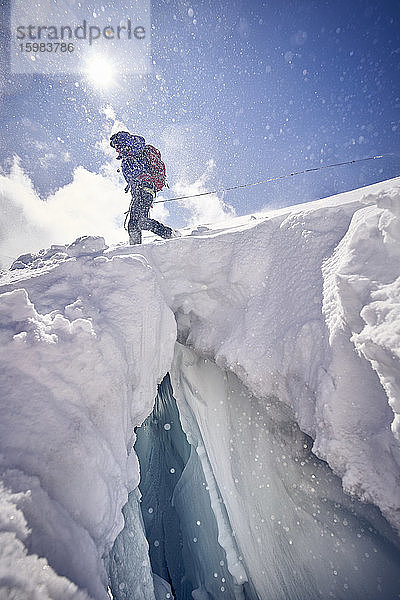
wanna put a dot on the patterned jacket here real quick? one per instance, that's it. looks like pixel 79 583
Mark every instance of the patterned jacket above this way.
pixel 135 167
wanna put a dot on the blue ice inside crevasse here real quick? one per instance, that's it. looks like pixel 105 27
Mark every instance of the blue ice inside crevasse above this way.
pixel 179 521
pixel 306 539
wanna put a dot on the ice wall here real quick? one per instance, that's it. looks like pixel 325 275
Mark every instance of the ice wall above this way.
pixel 191 542
pixel 301 304
pixel 131 577
pixel 299 535
pixel 80 362
pixel 280 300
pixel 246 511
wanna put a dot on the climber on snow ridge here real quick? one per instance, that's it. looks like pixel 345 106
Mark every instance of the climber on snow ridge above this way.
pixel 144 172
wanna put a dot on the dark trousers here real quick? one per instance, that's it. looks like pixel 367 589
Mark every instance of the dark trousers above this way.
pixel 139 218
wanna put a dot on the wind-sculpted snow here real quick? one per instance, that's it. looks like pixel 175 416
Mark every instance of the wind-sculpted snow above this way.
pixel 22 575
pixel 361 431
pixel 300 537
pixel 300 304
pixel 379 339
pixel 303 305
pixel 80 365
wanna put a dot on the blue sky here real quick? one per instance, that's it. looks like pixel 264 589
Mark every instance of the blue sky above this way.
pixel 261 88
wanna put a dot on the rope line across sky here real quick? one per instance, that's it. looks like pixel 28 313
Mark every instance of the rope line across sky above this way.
pixel 270 179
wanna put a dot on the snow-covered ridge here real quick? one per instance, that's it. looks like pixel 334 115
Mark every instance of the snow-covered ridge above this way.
pixel 301 304
pixel 79 369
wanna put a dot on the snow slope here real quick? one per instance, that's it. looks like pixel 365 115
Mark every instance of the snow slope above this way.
pixel 79 370
pixel 301 304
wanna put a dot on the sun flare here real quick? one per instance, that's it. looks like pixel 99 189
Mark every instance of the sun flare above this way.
pixel 100 72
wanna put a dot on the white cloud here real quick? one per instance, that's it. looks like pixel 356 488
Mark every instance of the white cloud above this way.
pixel 91 204
pixel 204 209
pixel 189 172
pixel 159 210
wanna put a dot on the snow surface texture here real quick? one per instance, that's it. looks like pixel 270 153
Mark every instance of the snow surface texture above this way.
pixel 79 370
pixel 301 304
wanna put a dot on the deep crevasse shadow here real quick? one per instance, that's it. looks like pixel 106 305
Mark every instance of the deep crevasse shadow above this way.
pixel 177 516
pixel 180 524
pixel 304 539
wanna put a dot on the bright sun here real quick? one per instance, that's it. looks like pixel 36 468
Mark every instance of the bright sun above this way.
pixel 100 72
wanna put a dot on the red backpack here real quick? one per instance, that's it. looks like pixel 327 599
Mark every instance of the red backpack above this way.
pixel 157 167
